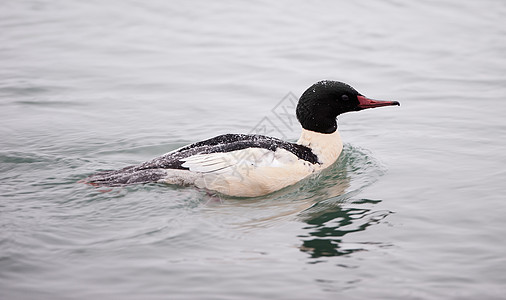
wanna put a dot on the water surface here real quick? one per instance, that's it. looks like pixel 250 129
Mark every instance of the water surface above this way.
pixel 413 209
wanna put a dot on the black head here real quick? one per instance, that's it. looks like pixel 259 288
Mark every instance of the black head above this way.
pixel 321 103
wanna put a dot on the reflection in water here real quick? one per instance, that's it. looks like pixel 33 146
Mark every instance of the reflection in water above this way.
pixel 331 219
pixel 328 226
pixel 325 202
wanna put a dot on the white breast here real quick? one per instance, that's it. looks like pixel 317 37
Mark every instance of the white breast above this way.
pixel 326 146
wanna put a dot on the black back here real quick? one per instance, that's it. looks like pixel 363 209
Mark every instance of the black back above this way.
pixel 228 143
pixel 152 171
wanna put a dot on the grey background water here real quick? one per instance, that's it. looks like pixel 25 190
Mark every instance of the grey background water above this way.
pixel 413 209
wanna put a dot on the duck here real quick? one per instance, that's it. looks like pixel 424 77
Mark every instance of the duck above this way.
pixel 252 165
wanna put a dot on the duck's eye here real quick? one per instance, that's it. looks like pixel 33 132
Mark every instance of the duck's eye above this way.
pixel 345 97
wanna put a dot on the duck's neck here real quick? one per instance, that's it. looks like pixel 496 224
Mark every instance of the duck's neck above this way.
pixel 327 146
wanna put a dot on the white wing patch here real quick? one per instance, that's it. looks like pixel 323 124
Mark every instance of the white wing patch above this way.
pixel 207 163
pixel 226 162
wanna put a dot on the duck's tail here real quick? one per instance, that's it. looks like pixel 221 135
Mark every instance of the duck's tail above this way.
pixel 125 176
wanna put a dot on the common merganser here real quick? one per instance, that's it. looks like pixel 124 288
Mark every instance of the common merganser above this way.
pixel 247 165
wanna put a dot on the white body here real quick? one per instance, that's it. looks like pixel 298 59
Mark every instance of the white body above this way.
pixel 255 172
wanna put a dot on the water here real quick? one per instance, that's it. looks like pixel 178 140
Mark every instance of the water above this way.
pixel 414 208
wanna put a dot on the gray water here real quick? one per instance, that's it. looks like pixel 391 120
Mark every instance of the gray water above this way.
pixel 413 209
